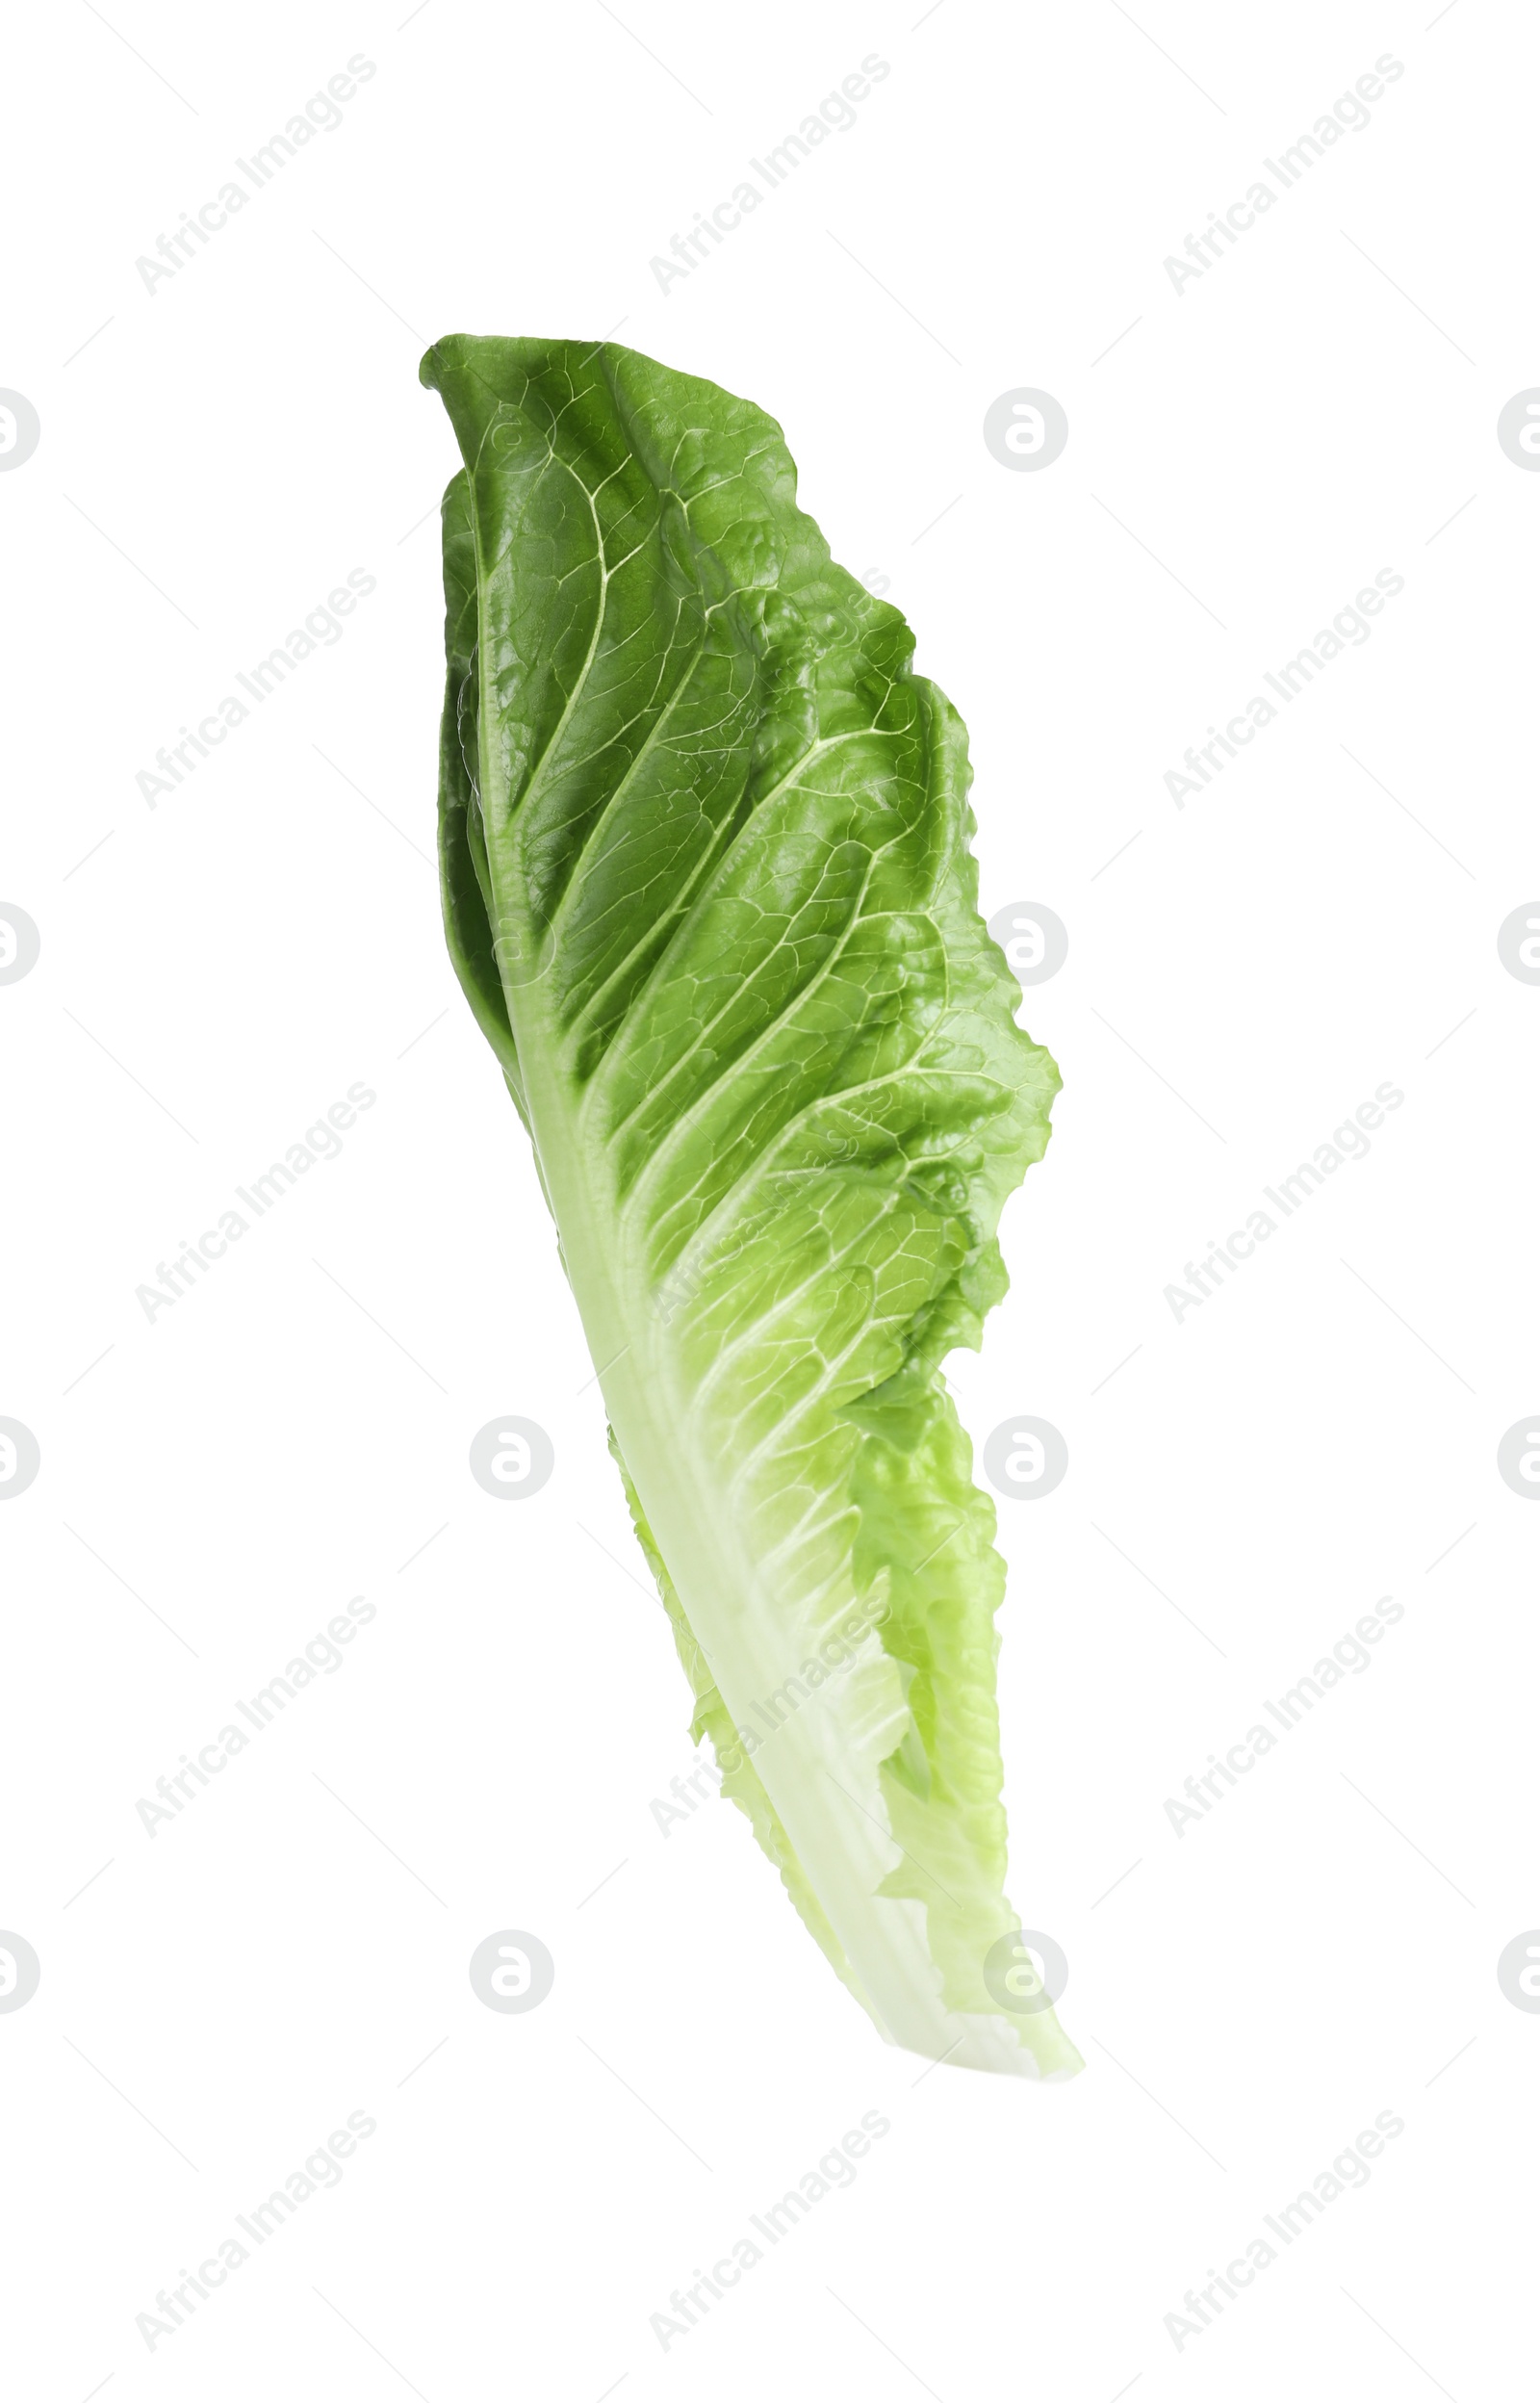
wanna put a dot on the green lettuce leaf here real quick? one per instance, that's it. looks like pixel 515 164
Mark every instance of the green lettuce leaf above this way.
pixel 707 886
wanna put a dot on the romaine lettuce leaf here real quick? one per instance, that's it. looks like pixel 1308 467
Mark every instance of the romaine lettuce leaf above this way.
pixel 708 885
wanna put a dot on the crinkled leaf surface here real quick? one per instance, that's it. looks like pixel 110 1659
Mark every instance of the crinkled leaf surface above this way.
pixel 707 886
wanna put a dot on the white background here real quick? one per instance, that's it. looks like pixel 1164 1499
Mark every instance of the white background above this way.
pixel 1243 457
